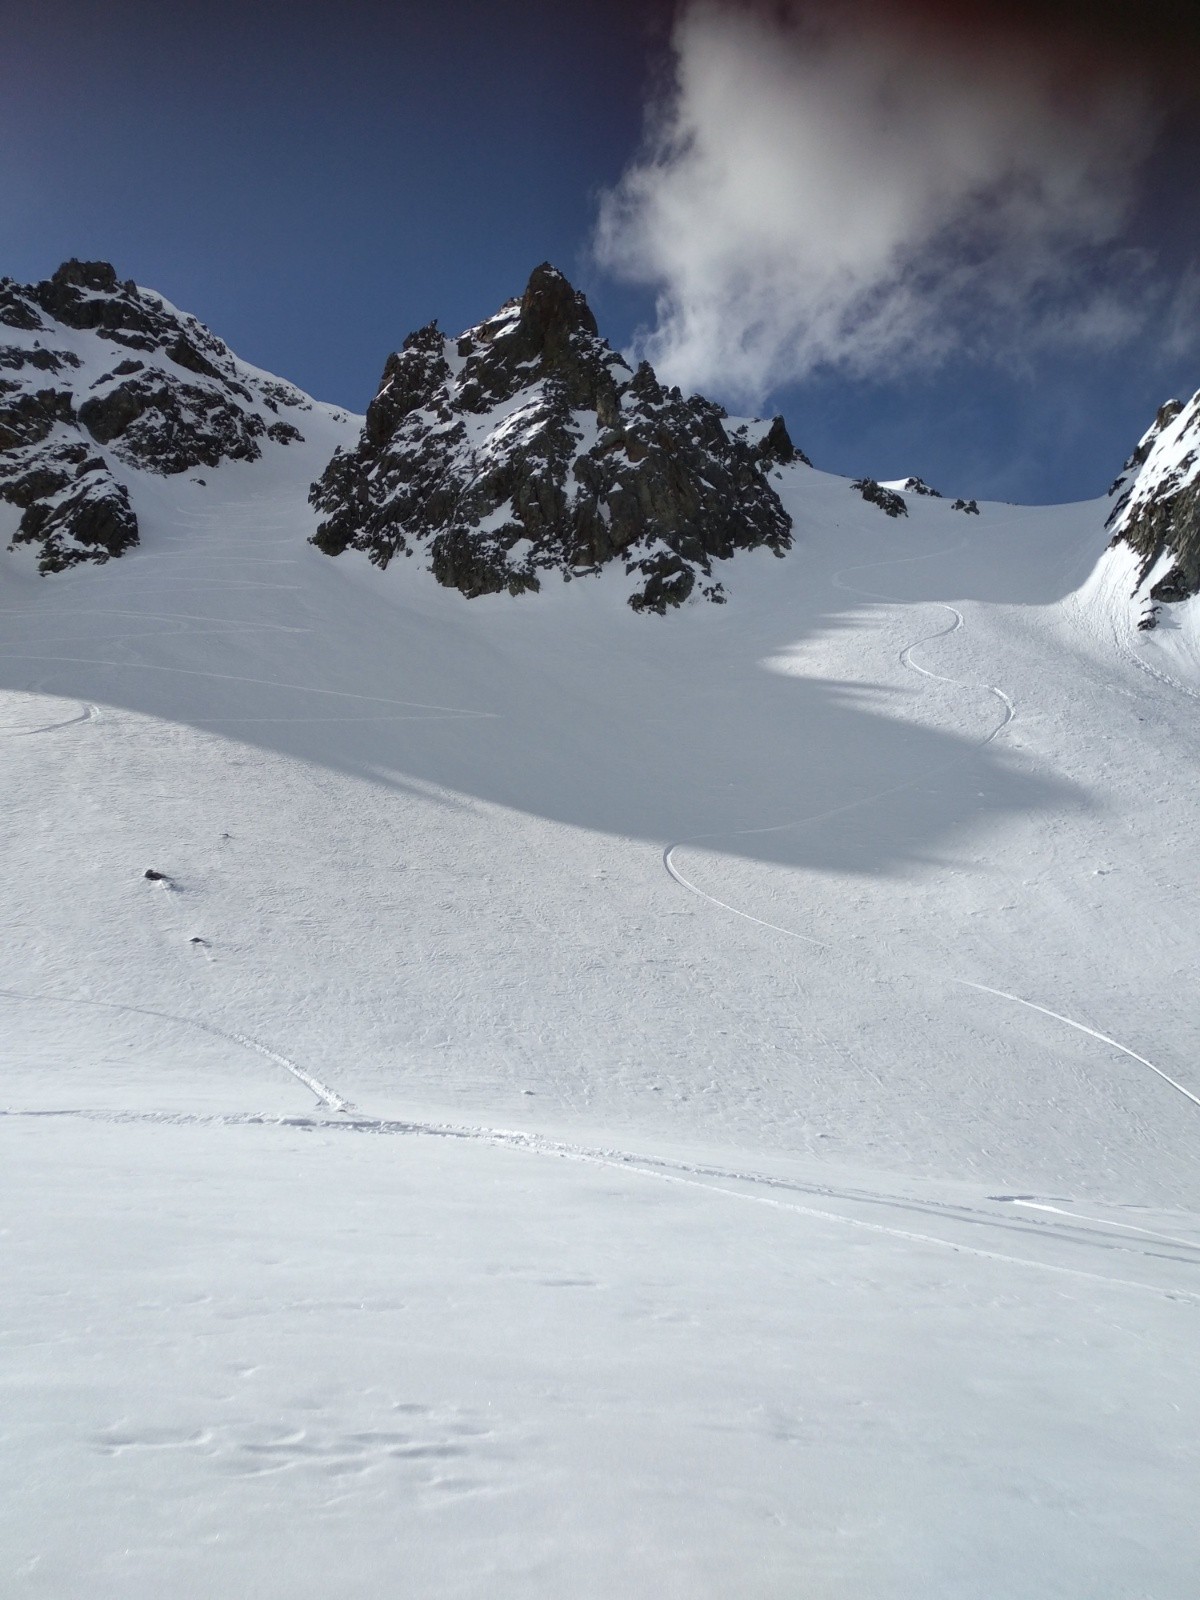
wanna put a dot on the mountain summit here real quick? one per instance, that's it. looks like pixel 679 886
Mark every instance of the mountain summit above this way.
pixel 528 445
pixel 100 381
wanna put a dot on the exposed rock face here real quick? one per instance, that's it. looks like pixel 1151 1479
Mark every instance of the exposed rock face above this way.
pixel 1158 509
pixel 971 507
pixel 770 443
pixel 94 372
pixel 876 495
pixel 919 486
pixel 528 446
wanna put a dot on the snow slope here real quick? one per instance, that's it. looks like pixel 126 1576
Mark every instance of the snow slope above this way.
pixel 697 1105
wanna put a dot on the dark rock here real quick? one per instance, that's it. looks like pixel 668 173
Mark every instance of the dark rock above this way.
pixel 107 416
pixel 15 358
pixel 1178 584
pixel 876 495
pixel 169 427
pixel 182 401
pixel 87 519
pixel 919 486
pixel 184 354
pixel 970 506
pixel 528 446
pixel 155 877
pixel 1158 512
pixel 16 307
pixel 773 446
pixel 99 275
pixel 27 416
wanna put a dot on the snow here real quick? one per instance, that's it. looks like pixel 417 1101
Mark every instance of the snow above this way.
pixel 689 1106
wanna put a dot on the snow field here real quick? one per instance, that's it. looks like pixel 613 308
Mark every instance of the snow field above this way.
pixel 754 1295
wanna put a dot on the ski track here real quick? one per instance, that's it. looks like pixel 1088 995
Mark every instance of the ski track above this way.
pixel 323 1092
pixel 264 683
pixel 218 625
pixel 1124 643
pixel 1127 1227
pixel 1009 712
pixel 88 713
pixel 698 1177
pixel 1074 1229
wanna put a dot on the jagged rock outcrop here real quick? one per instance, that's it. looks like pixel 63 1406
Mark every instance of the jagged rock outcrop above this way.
pixel 528 446
pixel 971 507
pixel 770 443
pixel 875 494
pixel 97 373
pixel 1157 512
pixel 919 486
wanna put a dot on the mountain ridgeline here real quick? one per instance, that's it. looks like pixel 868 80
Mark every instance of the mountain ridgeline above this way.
pixel 527 446
pixel 524 450
pixel 101 381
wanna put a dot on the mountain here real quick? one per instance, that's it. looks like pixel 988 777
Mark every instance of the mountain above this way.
pixel 528 446
pixel 1158 511
pixel 525 447
pixel 516 1098
pixel 102 382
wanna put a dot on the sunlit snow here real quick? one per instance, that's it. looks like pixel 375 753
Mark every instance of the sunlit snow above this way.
pixel 596 1104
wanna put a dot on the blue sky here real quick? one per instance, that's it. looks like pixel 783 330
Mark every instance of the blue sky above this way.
pixel 314 181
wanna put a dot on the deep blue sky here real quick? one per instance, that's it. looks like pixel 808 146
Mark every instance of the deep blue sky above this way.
pixel 314 180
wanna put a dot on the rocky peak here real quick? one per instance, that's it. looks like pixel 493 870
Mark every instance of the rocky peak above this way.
pixel 528 445
pixel 1157 512
pixel 95 372
pixel 553 314
pixel 99 275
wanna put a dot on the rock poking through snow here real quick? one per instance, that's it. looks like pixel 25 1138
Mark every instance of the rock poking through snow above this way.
pixel 876 495
pixel 528 446
pixel 919 486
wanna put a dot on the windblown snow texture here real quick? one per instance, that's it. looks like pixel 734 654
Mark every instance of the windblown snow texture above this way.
pixel 528 446
pixel 1158 512
pixel 97 376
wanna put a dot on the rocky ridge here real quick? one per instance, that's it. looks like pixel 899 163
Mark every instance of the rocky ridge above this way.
pixel 889 501
pixel 528 446
pixel 1157 512
pixel 96 376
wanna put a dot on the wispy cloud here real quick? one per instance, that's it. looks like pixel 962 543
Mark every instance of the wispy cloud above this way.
pixel 848 184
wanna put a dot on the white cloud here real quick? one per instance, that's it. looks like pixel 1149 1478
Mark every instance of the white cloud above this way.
pixel 842 185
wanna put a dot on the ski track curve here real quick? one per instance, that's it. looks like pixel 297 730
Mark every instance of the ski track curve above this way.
pixel 327 1096
pixel 1124 643
pixel 87 713
pixel 709 1178
pixel 1009 712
